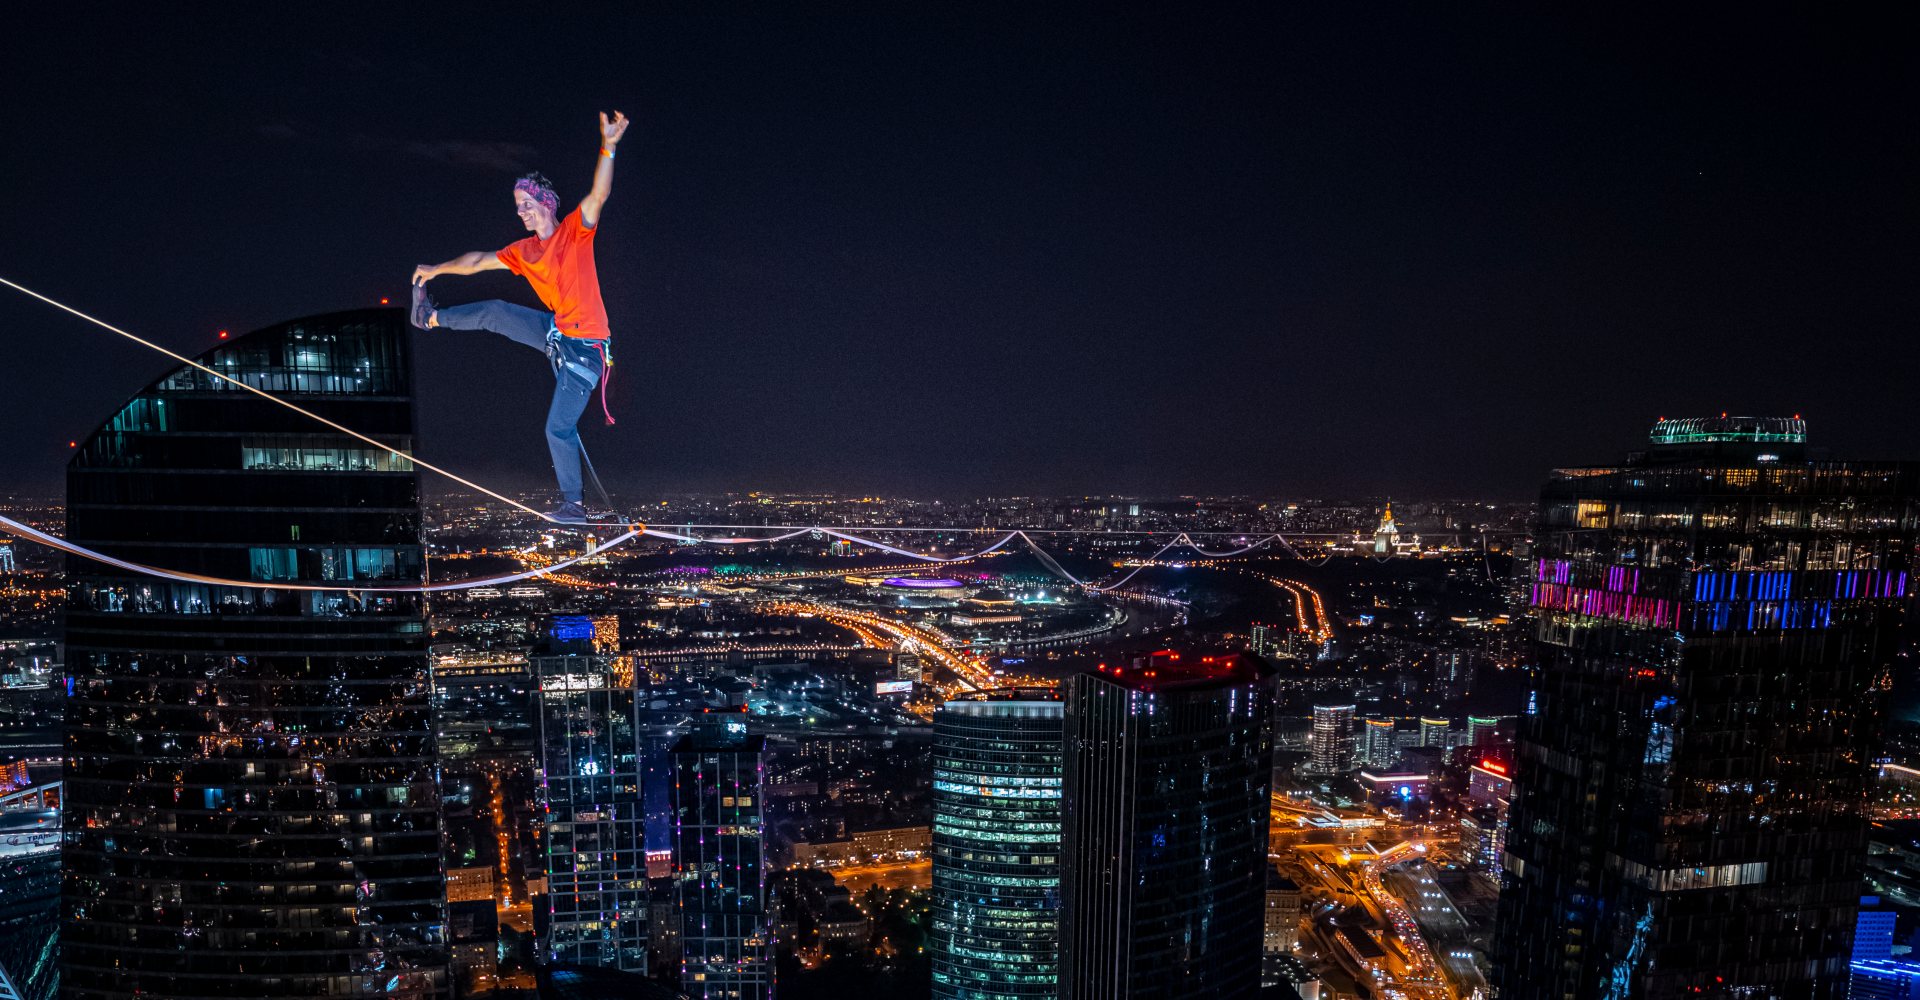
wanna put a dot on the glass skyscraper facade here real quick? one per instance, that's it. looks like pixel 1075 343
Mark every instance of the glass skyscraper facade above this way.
pixel 592 776
pixel 1168 767
pixel 996 848
pixel 1717 617
pixel 720 860
pixel 29 910
pixel 251 807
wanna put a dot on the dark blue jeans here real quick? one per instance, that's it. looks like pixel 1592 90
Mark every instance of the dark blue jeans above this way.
pixel 573 380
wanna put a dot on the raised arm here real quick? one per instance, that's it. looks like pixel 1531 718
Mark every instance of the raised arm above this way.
pixel 466 263
pixel 596 199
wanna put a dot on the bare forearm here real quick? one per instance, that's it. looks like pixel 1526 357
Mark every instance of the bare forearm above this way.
pixel 602 176
pixel 610 132
pixel 466 263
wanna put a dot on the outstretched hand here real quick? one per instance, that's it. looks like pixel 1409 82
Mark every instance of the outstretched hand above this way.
pixel 422 273
pixel 611 131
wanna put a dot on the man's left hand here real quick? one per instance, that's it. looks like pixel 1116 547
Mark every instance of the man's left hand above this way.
pixel 611 131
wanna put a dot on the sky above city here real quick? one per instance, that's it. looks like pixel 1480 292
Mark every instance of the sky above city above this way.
pixel 999 248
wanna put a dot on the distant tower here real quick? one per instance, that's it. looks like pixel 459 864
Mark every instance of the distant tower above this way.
pixel 1436 733
pixel 1716 617
pixel 1332 739
pixel 996 848
pixel 720 861
pixel 1378 747
pixel 1168 770
pixel 6 557
pixel 1386 538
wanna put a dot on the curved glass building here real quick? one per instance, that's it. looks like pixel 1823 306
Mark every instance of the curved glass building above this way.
pixel 996 848
pixel 250 803
pixel 1718 621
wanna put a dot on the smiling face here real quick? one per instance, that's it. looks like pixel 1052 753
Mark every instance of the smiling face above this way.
pixel 532 213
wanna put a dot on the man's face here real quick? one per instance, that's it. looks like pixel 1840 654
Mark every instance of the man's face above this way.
pixel 532 214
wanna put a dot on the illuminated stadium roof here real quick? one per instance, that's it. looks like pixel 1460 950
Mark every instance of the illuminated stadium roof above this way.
pixel 923 583
pixel 1701 430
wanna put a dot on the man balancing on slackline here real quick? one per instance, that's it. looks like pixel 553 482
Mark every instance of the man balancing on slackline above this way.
pixel 557 260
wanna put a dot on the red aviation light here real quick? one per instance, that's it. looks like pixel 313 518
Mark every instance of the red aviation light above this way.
pixel 383 300
pixel 223 335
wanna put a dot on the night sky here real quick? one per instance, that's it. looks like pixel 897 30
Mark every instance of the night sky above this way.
pixel 1016 248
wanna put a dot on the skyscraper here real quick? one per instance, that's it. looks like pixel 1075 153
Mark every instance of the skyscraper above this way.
pixel 591 781
pixel 996 847
pixel 1481 730
pixel 251 807
pixel 1378 748
pixel 1168 768
pixel 1332 739
pixel 719 860
pixel 1716 617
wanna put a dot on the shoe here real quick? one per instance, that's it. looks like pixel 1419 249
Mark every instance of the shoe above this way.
pixel 423 307
pixel 568 513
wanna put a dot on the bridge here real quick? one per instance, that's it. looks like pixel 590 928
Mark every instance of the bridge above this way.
pixel 37 797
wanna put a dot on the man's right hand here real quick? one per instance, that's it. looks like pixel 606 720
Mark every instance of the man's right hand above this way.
pixel 422 273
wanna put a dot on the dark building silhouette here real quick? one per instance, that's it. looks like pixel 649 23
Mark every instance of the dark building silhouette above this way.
pixel 720 860
pixel 1168 768
pixel 1716 618
pixel 996 846
pixel 250 805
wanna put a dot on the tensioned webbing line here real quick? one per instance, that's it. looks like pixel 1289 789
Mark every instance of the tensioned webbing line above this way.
pixel 29 532
pixel 263 394
pixel 55 541
pixel 34 534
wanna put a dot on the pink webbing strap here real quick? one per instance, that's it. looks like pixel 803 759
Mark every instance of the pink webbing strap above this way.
pixel 606 378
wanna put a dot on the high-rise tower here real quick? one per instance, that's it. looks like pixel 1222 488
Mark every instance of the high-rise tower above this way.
pixel 1164 849
pixel 250 805
pixel 1715 617
pixel 592 780
pixel 996 847
pixel 1332 739
pixel 720 860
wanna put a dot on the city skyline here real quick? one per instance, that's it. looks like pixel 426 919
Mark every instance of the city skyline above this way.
pixel 1351 239
pixel 1208 503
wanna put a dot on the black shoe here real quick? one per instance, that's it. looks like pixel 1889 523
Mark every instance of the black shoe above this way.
pixel 423 307
pixel 569 512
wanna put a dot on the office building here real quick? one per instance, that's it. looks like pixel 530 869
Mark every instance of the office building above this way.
pixel 251 807
pixel 1716 618
pixel 591 781
pixel 1883 979
pixel 1437 733
pixel 1378 749
pixel 1168 770
pixel 1872 931
pixel 720 860
pixel 1282 928
pixel 1489 785
pixel 996 846
pixel 29 904
pixel 1332 739
pixel 1481 730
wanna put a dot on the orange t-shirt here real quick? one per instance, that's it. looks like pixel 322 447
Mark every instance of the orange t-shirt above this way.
pixel 560 269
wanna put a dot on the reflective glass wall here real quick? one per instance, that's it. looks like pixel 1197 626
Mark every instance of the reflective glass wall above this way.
pixel 251 808
pixel 996 849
